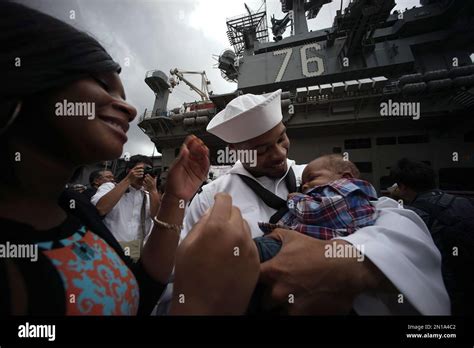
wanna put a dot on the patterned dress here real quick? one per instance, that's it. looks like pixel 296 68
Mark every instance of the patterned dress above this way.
pixel 74 271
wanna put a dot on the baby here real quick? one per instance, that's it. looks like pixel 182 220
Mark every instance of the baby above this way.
pixel 334 203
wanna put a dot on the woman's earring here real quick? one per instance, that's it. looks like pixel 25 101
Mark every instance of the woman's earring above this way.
pixel 12 112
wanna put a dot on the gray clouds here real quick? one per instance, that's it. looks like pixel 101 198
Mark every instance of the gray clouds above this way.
pixel 144 35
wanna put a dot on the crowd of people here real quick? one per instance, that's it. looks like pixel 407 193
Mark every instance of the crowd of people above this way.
pixel 256 235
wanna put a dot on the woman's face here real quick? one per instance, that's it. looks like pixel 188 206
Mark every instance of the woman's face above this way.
pixel 88 119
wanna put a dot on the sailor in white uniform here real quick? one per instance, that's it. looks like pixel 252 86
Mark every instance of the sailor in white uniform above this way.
pixel 398 244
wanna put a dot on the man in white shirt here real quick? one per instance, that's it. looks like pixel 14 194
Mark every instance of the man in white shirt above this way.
pixel 401 273
pixel 129 206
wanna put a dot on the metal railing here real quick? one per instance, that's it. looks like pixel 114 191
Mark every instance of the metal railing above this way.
pixel 148 114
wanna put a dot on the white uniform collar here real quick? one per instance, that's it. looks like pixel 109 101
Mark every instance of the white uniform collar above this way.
pixel 238 168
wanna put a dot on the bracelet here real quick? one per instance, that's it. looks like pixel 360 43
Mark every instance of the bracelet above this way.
pixel 176 228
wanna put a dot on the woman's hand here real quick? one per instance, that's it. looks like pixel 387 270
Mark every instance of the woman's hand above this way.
pixel 217 264
pixel 184 179
pixel 189 170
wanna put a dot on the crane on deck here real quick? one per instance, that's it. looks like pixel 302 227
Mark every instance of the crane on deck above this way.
pixel 205 89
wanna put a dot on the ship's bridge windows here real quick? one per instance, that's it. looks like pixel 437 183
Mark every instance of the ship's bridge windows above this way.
pixel 362 143
pixel 364 167
pixel 457 179
pixel 413 139
pixel 405 139
pixel 386 141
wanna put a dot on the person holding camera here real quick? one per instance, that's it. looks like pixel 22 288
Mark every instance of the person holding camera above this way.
pixel 129 206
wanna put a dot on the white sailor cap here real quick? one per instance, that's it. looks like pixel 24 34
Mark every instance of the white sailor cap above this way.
pixel 247 117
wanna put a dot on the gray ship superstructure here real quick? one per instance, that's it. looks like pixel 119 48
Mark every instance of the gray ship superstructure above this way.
pixel 377 86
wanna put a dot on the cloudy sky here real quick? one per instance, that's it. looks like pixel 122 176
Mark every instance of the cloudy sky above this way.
pixel 167 34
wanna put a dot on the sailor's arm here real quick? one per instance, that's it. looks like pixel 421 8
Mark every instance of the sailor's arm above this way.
pixel 320 285
pixel 399 258
pixel 401 247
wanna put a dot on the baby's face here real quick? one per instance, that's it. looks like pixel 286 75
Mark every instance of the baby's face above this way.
pixel 318 173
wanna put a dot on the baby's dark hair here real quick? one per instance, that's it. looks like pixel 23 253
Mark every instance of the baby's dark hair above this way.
pixel 338 164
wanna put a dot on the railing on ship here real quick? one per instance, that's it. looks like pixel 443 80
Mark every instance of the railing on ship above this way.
pixel 148 114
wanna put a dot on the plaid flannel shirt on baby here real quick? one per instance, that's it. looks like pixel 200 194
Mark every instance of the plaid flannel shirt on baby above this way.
pixel 336 209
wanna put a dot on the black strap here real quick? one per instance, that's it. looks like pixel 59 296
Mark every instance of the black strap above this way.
pixel 268 197
pixel 87 213
pixel 143 232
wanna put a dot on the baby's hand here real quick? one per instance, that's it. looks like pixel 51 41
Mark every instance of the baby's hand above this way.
pixel 291 195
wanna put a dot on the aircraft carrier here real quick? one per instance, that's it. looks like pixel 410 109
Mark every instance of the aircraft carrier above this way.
pixel 377 86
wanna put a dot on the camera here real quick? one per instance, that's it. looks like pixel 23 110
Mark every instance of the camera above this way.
pixel 149 170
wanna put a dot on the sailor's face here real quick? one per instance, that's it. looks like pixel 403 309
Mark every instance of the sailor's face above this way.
pixel 91 118
pixel 272 151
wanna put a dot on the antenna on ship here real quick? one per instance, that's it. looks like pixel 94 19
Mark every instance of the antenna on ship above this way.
pixel 248 10
pixel 242 31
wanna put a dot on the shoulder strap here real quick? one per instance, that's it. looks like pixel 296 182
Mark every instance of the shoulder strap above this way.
pixel 290 181
pixel 143 230
pixel 268 197
pixel 89 216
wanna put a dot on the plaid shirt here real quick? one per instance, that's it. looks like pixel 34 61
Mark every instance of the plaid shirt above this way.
pixel 336 209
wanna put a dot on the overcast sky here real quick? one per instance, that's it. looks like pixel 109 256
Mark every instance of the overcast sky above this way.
pixel 166 34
